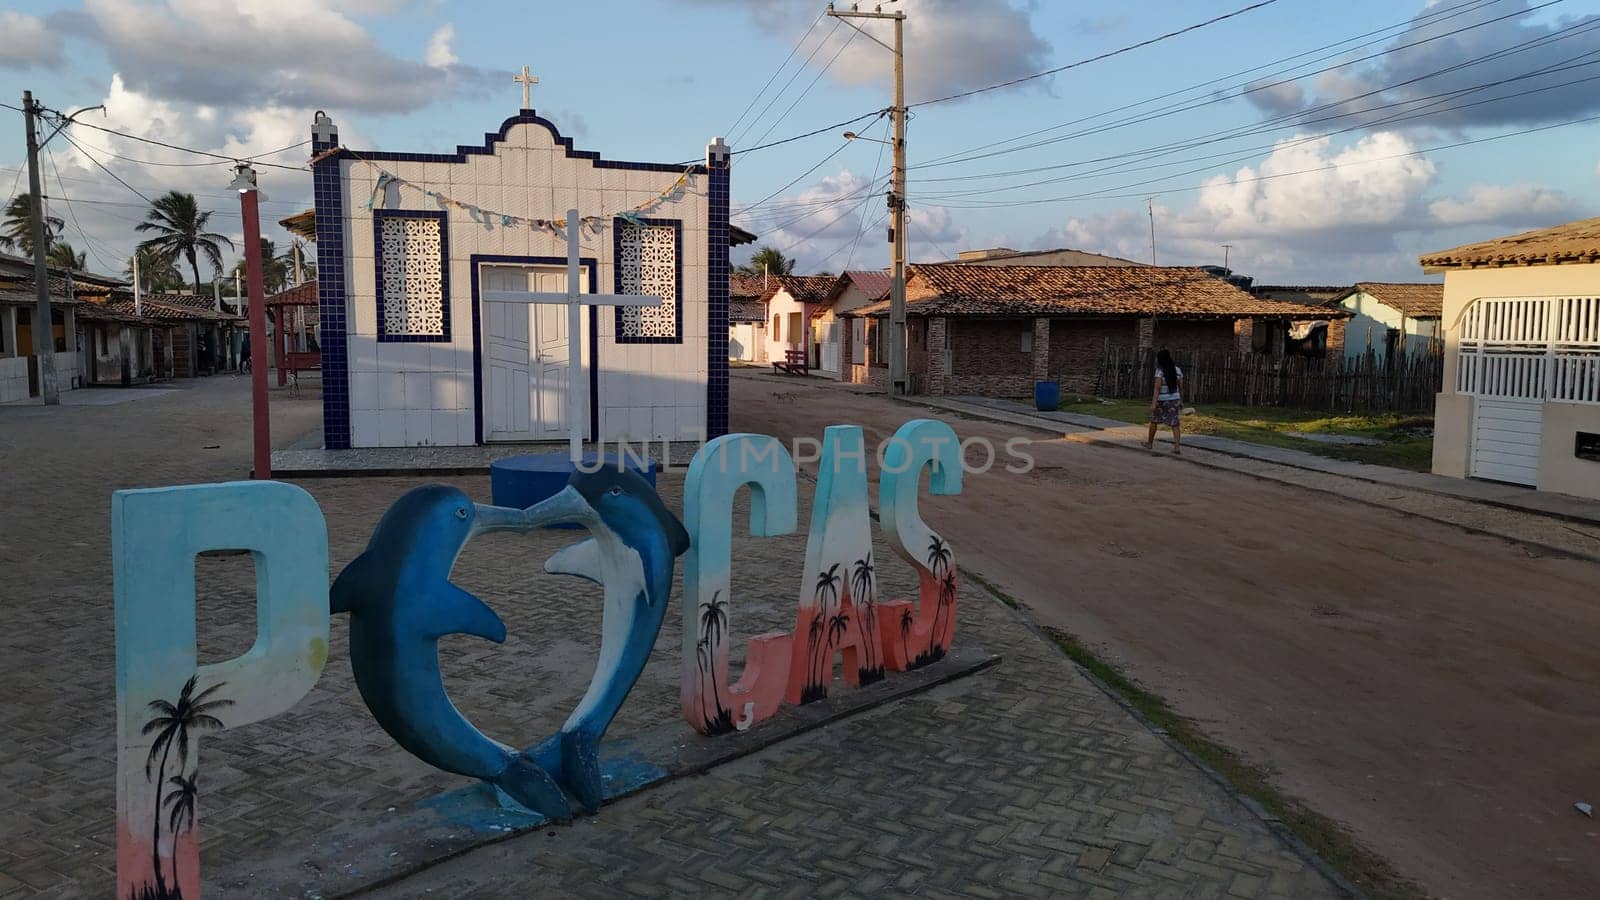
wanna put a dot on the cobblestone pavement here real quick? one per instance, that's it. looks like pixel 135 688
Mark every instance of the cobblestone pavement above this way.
pixel 1022 779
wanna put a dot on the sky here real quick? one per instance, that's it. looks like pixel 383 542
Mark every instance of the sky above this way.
pixel 1324 143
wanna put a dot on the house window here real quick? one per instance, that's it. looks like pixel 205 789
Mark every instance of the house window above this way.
pixel 648 263
pixel 880 354
pixel 412 286
pixel 1027 341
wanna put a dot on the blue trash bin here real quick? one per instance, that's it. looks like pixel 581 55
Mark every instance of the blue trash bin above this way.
pixel 1046 395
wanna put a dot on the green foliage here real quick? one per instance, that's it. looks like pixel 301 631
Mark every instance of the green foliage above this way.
pixel 16 232
pixel 179 227
pixel 768 260
pixel 62 256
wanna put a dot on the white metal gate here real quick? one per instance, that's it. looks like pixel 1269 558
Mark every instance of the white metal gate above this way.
pixel 830 348
pixel 1515 354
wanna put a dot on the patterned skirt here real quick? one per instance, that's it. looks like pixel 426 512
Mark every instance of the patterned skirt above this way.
pixel 1166 412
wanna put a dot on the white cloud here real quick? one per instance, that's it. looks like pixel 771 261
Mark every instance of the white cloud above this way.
pixel 441 50
pixel 299 53
pixel 1508 204
pixel 951 45
pixel 27 42
pixel 1434 64
pixel 1367 219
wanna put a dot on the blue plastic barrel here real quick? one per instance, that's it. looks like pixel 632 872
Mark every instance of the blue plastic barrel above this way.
pixel 1046 395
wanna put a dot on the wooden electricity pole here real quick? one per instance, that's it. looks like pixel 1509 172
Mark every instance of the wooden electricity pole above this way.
pixel 897 193
pixel 44 332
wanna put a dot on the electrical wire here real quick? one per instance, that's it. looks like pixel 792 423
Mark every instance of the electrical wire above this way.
pixel 1254 88
pixel 103 168
pixel 877 166
pixel 1107 55
pixel 786 85
pixel 180 165
pixel 1431 17
pixel 71 212
pixel 776 72
pixel 820 163
pixel 1104 194
pixel 219 156
pixel 813 83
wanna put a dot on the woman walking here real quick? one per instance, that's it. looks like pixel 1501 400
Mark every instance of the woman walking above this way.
pixel 1166 402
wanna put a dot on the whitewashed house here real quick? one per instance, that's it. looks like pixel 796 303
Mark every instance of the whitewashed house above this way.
pixel 1390 316
pixel 790 302
pixel 407 243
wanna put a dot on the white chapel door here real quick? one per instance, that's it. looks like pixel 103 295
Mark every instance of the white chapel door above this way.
pixel 524 356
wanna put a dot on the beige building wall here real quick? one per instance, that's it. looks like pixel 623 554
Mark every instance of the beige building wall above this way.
pixel 1559 469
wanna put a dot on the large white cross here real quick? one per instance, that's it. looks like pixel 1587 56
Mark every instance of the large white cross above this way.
pixel 574 301
pixel 527 81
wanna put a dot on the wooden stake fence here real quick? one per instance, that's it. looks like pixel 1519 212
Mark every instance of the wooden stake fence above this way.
pixel 1403 382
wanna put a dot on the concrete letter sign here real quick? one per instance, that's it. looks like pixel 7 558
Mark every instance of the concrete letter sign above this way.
pixel 837 605
pixel 165 701
pixel 716 474
pixel 916 637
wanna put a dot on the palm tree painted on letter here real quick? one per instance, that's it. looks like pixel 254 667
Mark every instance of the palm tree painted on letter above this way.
pixel 171 724
pixel 908 618
pixel 865 597
pixel 180 815
pixel 818 659
pixel 713 627
pixel 180 229
pixel 944 577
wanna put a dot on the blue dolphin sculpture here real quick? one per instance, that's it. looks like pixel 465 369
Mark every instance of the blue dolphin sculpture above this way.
pixel 632 550
pixel 401 601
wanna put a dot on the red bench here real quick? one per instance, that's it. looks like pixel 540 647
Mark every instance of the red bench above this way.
pixel 794 363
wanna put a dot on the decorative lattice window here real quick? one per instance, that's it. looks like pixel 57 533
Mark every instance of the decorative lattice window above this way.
pixel 413 287
pixel 648 262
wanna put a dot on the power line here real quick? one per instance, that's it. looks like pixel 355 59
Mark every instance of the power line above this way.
pixel 1431 17
pixel 820 163
pixel 73 213
pixel 179 165
pixel 877 166
pixel 1107 55
pixel 103 168
pixel 218 156
pixel 1406 115
pixel 1104 195
pixel 1255 88
pixel 783 90
pixel 776 72
pixel 813 83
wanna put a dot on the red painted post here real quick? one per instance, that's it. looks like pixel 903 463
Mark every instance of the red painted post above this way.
pixel 258 334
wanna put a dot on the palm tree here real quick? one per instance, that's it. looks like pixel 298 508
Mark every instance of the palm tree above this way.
pixel 62 256
pixel 713 624
pixel 768 260
pixel 156 272
pixel 938 556
pixel 180 229
pixel 812 689
pixel 826 591
pixel 947 598
pixel 907 619
pixel 837 626
pixel 275 268
pixel 862 593
pixel 16 233
pixel 171 724
pixel 181 815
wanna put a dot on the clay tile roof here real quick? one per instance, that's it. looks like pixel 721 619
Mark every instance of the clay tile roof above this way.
pixel 1165 291
pixel 874 284
pixel 1573 242
pixel 1419 301
pixel 304 294
pixel 746 310
pixel 745 286
pixel 805 288
pixel 112 312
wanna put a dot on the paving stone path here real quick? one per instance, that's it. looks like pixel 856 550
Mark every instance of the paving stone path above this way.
pixel 1024 779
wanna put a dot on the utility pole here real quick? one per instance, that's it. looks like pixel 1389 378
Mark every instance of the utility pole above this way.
pixel 244 181
pixel 1225 269
pixel 44 338
pixel 1150 204
pixel 897 192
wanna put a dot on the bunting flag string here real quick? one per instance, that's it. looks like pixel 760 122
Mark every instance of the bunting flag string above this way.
pixel 595 224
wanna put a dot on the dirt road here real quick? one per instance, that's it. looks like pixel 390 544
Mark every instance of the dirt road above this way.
pixel 1436 691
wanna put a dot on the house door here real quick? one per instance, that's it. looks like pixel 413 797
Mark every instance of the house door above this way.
pixel 830 347
pixel 525 357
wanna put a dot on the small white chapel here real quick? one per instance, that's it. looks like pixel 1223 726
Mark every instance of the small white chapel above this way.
pixel 444 292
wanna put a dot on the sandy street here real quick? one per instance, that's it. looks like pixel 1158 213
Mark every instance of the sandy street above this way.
pixel 1432 689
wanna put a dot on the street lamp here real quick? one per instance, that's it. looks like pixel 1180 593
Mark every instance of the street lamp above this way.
pixel 852 136
pixel 244 181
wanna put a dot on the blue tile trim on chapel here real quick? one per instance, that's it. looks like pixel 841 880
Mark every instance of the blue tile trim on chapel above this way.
pixel 677 281
pixel 329 205
pixel 717 272
pixel 378 217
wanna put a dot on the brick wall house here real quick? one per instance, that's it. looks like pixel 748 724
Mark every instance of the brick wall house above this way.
pixel 997 330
